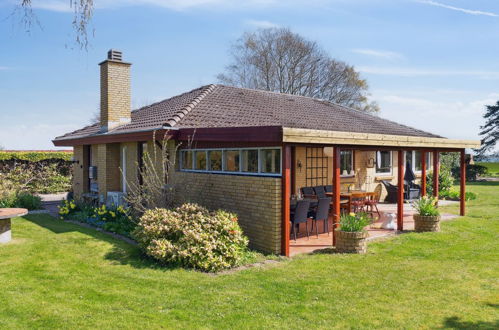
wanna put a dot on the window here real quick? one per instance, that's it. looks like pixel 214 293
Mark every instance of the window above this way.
pixel 231 159
pixel 415 157
pixel 248 161
pixel 346 163
pixel 200 161
pixel 383 162
pixel 316 167
pixel 271 160
pixel 215 157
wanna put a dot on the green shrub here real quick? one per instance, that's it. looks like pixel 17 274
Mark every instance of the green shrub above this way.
pixel 470 196
pixel 28 201
pixel 426 206
pixel 191 236
pixel 445 181
pixel 35 156
pixel 354 222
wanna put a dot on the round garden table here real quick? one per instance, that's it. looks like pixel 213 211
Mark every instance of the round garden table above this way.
pixel 5 216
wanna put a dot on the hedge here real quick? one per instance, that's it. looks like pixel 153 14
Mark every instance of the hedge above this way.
pixel 35 156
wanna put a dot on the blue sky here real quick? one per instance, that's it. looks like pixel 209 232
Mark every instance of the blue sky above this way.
pixel 432 65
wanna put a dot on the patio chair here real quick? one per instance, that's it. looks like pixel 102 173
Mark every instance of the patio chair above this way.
pixel 391 196
pixel 300 215
pixel 372 203
pixel 358 204
pixel 329 188
pixel 322 213
pixel 320 192
pixel 308 192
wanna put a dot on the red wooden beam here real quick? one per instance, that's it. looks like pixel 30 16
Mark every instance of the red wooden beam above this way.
pixel 400 190
pixel 462 200
pixel 286 196
pixel 336 191
pixel 423 173
pixel 436 171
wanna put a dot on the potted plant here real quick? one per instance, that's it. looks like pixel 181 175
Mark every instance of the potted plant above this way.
pixel 351 236
pixel 427 217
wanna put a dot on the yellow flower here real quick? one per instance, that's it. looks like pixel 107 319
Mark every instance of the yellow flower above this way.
pixel 352 214
pixel 112 214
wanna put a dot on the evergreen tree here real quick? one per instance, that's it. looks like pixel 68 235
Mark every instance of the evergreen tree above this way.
pixel 490 131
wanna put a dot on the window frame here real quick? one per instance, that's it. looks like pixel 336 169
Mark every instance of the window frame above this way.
pixel 413 163
pixel 224 171
pixel 376 164
pixel 352 162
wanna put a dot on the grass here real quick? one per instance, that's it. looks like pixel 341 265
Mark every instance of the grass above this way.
pixel 57 274
pixel 493 168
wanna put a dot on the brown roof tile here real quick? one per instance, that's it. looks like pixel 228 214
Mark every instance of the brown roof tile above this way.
pixel 225 106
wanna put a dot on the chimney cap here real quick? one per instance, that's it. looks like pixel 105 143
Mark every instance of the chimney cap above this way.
pixel 114 55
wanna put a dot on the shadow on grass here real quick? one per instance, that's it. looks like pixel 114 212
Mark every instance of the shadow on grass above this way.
pixel 121 253
pixel 455 323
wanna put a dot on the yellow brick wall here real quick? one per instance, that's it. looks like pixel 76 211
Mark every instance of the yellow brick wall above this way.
pixel 108 173
pixel 115 93
pixel 256 201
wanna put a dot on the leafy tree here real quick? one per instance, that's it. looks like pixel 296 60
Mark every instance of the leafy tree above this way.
pixel 490 131
pixel 82 9
pixel 278 60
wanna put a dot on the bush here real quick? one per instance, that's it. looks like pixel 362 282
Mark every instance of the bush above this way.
pixel 445 181
pixel 354 222
pixel 426 206
pixel 470 196
pixel 35 156
pixel 28 201
pixel 191 236
pixel 39 177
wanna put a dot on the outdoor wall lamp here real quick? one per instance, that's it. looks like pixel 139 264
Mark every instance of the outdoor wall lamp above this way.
pixel 299 164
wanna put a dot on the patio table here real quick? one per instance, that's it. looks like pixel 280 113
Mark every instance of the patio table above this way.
pixel 353 194
pixel 5 223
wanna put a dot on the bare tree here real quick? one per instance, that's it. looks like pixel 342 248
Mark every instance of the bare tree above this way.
pixel 82 9
pixel 279 60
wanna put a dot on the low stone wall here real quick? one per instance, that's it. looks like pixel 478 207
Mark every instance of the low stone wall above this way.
pixel 256 201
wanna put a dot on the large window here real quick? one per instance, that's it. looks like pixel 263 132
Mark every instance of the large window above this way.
pixel 346 163
pixel 248 161
pixel 414 158
pixel 383 162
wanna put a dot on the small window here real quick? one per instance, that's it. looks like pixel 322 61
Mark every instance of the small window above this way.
pixel 200 160
pixel 231 160
pixel 215 157
pixel 383 162
pixel 417 161
pixel 346 163
pixel 271 161
pixel 250 161
pixel 186 160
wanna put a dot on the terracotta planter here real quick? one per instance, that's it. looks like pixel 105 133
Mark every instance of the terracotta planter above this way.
pixel 426 223
pixel 351 242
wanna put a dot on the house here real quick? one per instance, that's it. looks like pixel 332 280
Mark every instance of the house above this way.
pixel 247 151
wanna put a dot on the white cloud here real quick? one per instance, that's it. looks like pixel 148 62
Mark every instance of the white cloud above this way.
pixel 415 72
pixel 463 10
pixel 378 53
pixel 436 114
pixel 260 24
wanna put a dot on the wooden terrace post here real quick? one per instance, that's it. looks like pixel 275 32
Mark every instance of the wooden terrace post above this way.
pixel 400 190
pixel 436 171
pixel 286 196
pixel 423 173
pixel 336 191
pixel 462 199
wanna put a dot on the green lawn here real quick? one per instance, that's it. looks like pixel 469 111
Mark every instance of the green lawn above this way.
pixel 493 168
pixel 57 274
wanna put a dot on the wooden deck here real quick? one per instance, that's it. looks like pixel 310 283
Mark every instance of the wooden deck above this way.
pixel 313 243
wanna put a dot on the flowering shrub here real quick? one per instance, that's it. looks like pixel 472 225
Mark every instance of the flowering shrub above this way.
pixel 354 222
pixel 113 218
pixel 426 206
pixel 191 236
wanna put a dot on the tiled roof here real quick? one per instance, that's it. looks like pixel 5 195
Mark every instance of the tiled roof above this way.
pixel 224 106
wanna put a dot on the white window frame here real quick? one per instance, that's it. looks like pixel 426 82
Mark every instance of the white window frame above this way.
pixel 240 172
pixel 413 161
pixel 351 164
pixel 376 164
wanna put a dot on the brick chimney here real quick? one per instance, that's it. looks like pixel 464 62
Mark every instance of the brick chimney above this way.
pixel 115 109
